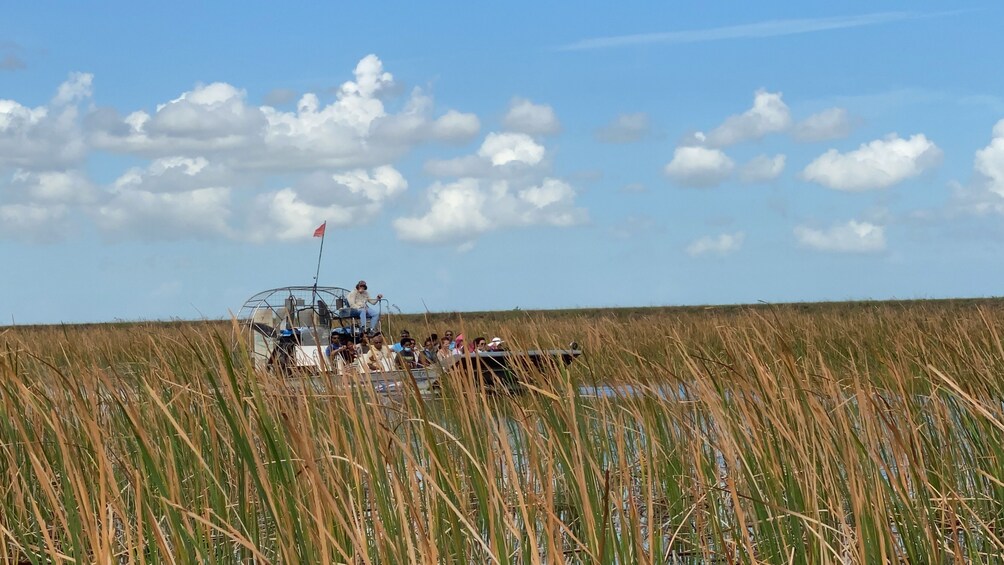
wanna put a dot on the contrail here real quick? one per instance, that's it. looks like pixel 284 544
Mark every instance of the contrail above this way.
pixel 770 28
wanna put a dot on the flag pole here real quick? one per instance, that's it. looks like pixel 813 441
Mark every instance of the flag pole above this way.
pixel 323 229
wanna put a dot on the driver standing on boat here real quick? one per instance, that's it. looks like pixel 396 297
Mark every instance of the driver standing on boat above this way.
pixel 359 302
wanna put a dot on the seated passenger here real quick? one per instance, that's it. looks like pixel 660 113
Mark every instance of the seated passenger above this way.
pixel 496 344
pixel 342 353
pixel 444 352
pixel 428 353
pixel 408 356
pixel 479 345
pixel 458 345
pixel 405 334
pixel 380 357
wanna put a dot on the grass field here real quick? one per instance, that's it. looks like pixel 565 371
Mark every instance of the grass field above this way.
pixel 831 433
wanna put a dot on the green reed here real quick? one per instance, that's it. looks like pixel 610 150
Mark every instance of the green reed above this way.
pixel 830 434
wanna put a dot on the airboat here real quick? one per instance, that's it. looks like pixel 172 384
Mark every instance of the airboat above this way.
pixel 290 331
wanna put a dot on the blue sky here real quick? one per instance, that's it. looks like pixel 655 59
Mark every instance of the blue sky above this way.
pixel 170 161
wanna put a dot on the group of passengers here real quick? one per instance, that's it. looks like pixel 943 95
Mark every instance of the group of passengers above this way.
pixel 373 354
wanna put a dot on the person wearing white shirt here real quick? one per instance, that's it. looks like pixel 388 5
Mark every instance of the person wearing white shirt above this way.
pixel 380 357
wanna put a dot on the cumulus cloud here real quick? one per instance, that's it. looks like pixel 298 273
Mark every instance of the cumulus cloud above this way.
pixel 989 161
pixel 984 194
pixel 502 148
pixel 35 205
pixel 45 137
pixel 462 210
pixel 874 165
pixel 535 119
pixel 196 213
pixel 762 169
pixel 174 174
pixel 455 126
pixel 625 128
pixel 219 166
pixel 769 114
pixel 722 244
pixel 699 167
pixel 39 223
pixel 354 130
pixel 342 199
pixel 832 123
pixel 170 198
pixel 852 237
pixel 76 88
pixel 52 187
pixel 501 155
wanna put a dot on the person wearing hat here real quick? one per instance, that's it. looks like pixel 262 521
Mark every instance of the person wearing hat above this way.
pixel 359 302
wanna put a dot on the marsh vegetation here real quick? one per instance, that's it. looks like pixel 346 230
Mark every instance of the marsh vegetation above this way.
pixel 847 433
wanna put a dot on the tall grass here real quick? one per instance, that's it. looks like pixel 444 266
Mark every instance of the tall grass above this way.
pixel 765 435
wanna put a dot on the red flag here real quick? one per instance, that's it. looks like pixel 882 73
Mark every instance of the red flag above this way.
pixel 319 232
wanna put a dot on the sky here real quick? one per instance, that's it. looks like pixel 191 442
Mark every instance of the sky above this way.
pixel 168 161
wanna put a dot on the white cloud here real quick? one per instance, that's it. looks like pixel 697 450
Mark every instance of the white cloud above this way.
pixel 37 206
pixel 196 213
pixel 769 114
pixel 455 126
pixel 699 167
pixel 456 213
pixel 502 148
pixel 45 137
pixel 989 161
pixel 501 155
pixel 460 211
pixel 852 237
pixel 342 199
pixel 762 169
pixel 285 216
pixel 466 166
pixel 39 223
pixel 625 128
pixel 535 119
pixel 76 88
pixel 171 198
pixel 215 111
pixel 209 119
pixel 832 123
pixel 722 244
pixel 377 185
pixel 878 164
pixel 984 194
pixel 174 174
pixel 354 130
pixel 52 187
